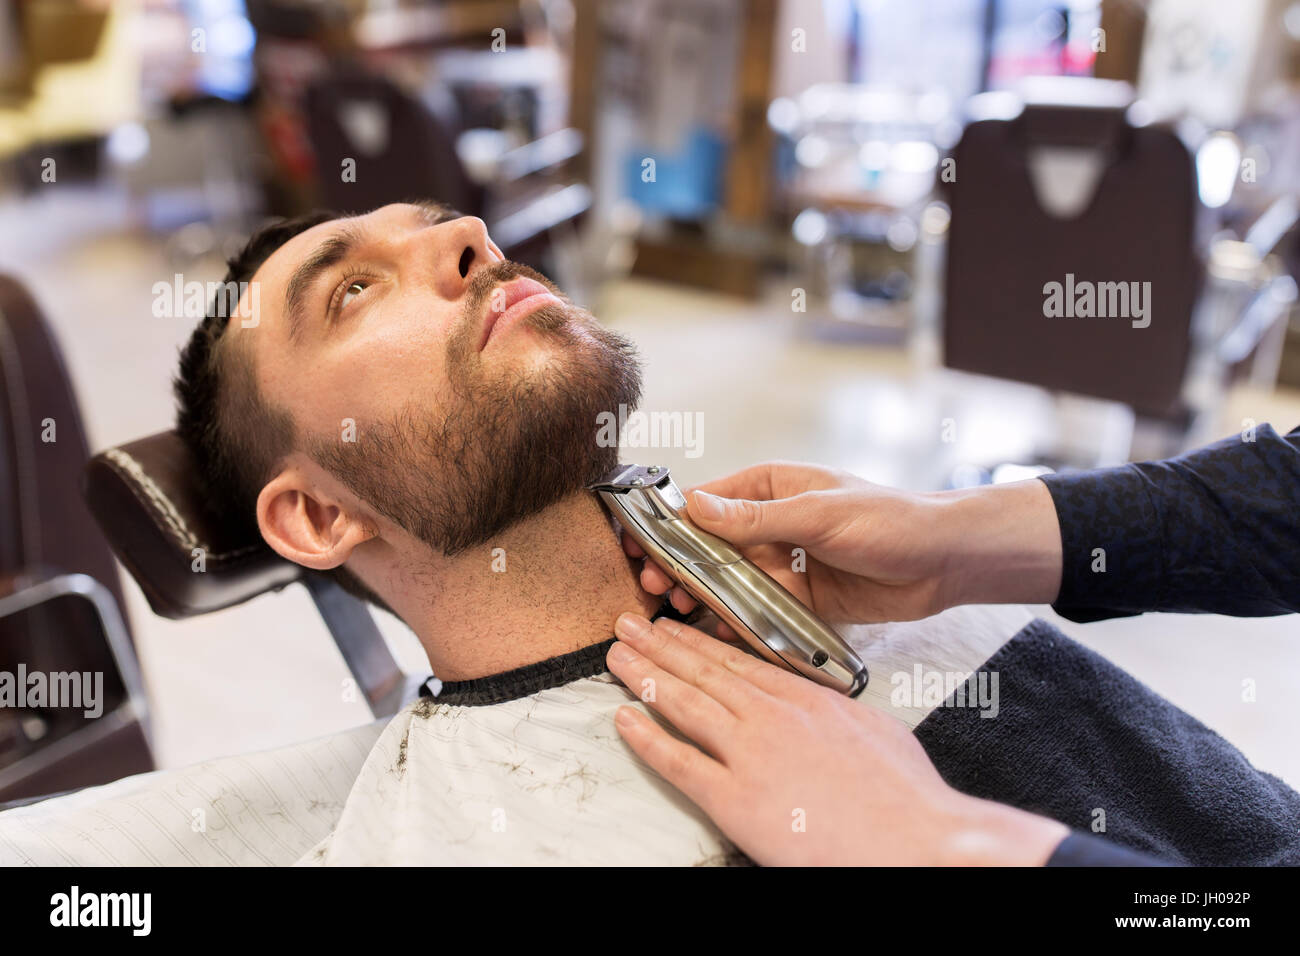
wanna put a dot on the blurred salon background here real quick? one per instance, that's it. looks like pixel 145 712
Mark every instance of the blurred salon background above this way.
pixel 828 224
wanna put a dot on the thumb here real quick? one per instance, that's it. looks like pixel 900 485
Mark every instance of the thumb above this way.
pixel 745 522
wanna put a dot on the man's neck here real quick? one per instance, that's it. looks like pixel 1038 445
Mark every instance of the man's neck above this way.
pixel 549 585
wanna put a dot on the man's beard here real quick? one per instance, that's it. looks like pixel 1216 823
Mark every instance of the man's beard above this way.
pixel 504 449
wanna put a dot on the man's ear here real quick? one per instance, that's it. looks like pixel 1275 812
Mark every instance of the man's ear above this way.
pixel 305 524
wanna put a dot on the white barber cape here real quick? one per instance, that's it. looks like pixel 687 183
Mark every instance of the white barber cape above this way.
pixel 540 779
pixel 546 778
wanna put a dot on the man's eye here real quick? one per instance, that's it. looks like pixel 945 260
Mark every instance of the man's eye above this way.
pixel 353 289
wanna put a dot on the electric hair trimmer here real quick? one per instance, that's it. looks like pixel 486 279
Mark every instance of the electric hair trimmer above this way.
pixel 651 508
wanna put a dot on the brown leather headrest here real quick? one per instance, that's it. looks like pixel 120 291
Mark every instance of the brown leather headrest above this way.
pixel 186 559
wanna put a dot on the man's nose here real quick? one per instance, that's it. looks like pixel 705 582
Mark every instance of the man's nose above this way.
pixel 460 248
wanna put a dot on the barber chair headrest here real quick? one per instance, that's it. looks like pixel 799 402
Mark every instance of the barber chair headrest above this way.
pixel 146 497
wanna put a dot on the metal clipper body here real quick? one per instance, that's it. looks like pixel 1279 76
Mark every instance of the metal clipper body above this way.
pixel 651 508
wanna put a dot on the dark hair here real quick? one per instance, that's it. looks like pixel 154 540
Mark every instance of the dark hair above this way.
pixel 236 436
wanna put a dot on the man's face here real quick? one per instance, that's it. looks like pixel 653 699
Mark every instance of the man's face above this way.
pixel 473 382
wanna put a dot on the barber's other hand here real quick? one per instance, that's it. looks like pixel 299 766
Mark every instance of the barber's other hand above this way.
pixel 878 554
pixel 796 774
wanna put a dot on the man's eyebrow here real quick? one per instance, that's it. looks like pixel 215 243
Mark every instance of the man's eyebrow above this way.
pixel 330 252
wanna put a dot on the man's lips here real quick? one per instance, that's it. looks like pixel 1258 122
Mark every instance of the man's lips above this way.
pixel 510 302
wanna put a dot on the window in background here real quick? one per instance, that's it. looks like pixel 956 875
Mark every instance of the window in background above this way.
pixel 920 45
pixel 1042 38
pixel 964 46
pixel 225 70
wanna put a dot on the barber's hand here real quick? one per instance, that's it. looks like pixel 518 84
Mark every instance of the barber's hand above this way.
pixel 796 774
pixel 875 553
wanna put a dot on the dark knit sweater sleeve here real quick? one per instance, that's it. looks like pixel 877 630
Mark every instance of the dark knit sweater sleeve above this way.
pixel 1216 530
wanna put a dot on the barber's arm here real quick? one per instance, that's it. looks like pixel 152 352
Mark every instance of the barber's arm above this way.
pixel 871 553
pixel 1216 530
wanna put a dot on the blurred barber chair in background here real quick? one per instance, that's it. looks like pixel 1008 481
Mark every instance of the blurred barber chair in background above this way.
pixel 402 150
pixel 1060 183
pixel 191 175
pixel 59 592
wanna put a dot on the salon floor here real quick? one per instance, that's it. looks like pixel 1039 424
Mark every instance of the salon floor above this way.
pixel 751 380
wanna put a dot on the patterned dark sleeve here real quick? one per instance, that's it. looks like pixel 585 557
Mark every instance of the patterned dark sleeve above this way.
pixel 1216 530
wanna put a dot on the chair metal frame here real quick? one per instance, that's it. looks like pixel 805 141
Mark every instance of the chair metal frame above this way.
pixel 135 707
pixel 386 687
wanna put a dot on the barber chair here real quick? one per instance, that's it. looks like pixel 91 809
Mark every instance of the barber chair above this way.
pixel 59 591
pixel 146 498
pixel 404 151
pixel 1137 222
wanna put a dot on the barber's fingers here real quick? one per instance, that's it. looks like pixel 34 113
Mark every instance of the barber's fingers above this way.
pixel 761 506
pixel 758 483
pixel 743 522
pixel 692 710
pixel 774 479
pixel 704 781
pixel 682 600
pixel 677 649
pixel 683 649
pixel 631 548
pixel 655 580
